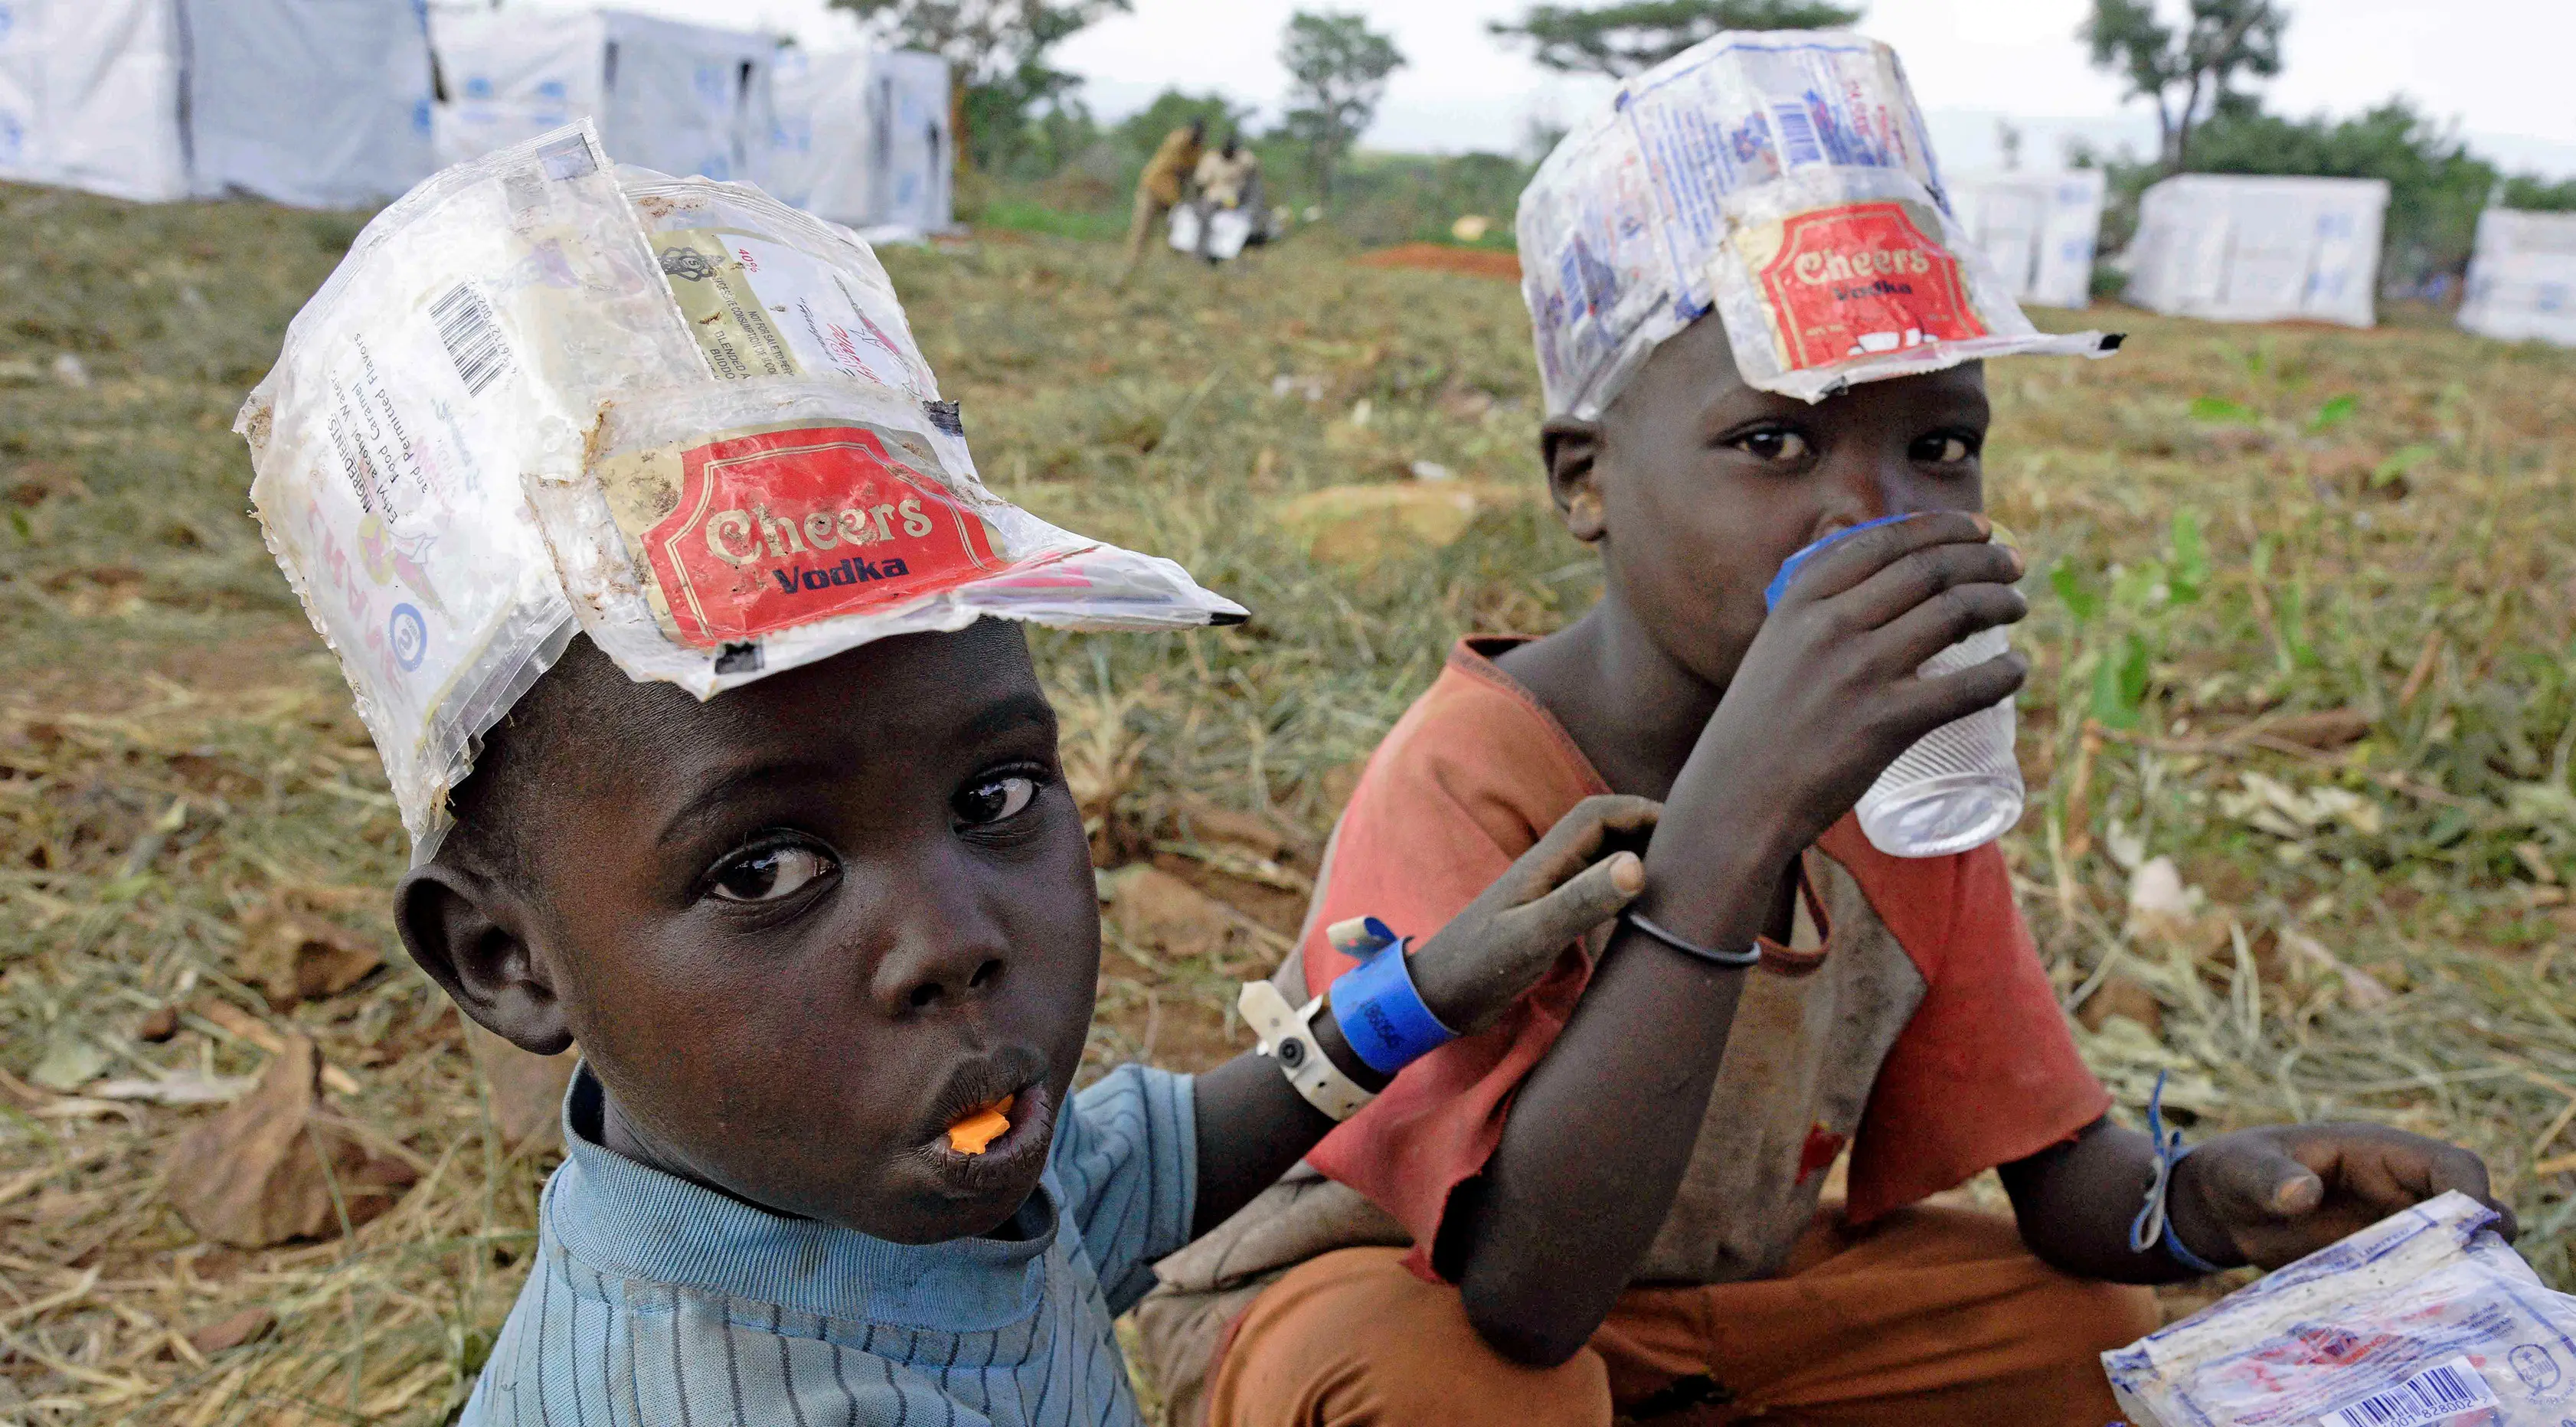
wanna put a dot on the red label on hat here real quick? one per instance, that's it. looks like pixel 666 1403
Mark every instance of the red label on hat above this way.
pixel 1862 280
pixel 788 527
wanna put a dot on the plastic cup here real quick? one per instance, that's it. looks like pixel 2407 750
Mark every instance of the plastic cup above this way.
pixel 1959 786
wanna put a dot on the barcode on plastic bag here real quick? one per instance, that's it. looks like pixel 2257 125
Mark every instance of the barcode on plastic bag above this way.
pixel 1798 133
pixel 2437 1392
pixel 472 338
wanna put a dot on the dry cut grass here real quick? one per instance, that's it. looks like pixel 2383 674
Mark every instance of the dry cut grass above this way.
pixel 2299 740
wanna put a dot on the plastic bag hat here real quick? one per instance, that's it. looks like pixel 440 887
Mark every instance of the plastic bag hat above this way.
pixel 1784 180
pixel 540 395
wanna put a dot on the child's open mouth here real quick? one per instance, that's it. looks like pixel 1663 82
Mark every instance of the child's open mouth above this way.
pixel 995 1142
pixel 975 1131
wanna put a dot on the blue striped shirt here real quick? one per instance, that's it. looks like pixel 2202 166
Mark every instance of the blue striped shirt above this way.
pixel 656 1302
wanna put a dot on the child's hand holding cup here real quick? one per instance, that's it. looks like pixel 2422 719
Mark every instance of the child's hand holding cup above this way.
pixel 1958 786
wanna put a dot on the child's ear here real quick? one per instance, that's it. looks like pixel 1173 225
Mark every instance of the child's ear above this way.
pixel 470 933
pixel 1571 449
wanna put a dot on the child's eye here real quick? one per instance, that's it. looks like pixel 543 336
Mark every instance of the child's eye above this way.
pixel 769 873
pixel 1944 450
pixel 995 799
pixel 1772 443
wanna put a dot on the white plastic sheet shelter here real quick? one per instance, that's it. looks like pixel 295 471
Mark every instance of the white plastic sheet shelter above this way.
pixel 683 99
pixel 89 96
pixel 316 103
pixel 2260 249
pixel 2038 228
pixel 2522 278
pixel 321 103
pixel 863 138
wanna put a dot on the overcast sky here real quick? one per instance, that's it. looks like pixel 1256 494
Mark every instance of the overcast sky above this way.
pixel 2499 68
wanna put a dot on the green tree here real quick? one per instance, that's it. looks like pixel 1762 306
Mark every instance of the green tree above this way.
pixel 996 52
pixel 1139 133
pixel 1622 38
pixel 1051 140
pixel 1337 67
pixel 2188 71
pixel 2533 194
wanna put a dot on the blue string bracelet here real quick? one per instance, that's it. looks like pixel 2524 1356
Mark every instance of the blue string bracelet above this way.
pixel 2151 1223
pixel 1376 1004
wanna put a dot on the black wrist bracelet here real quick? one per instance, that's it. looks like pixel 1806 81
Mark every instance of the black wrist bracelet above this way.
pixel 1750 956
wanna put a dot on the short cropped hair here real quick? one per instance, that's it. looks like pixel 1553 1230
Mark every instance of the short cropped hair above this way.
pixel 538 743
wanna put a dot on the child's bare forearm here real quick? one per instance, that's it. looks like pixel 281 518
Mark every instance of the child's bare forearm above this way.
pixel 2265 1196
pixel 1598 1139
pixel 1602 1130
pixel 1253 1125
pixel 2075 1202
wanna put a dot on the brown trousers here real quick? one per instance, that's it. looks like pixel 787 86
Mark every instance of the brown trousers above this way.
pixel 1931 1317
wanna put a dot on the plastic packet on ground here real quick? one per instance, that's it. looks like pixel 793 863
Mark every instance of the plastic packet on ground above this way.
pixel 466 339
pixel 540 393
pixel 2427 1317
pixel 1783 180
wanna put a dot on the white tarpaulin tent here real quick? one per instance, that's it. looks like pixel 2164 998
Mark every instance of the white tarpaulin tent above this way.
pixel 322 103
pixel 684 99
pixel 863 138
pixel 317 103
pixel 2522 280
pixel 2039 228
pixel 2242 249
pixel 89 96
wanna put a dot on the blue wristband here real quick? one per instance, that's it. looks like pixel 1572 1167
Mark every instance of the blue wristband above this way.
pixel 2152 1224
pixel 1376 1005
pixel 1790 567
pixel 2174 1246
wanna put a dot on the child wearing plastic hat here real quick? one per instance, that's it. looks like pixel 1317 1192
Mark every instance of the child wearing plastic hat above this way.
pixel 663 578
pixel 1753 319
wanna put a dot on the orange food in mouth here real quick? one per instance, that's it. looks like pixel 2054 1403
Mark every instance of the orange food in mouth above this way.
pixel 975 1131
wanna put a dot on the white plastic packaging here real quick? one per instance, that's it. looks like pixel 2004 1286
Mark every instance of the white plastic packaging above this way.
pixel 724 533
pixel 2427 1317
pixel 819 495
pixel 1207 231
pixel 693 422
pixel 1784 180
pixel 466 340
pixel 769 291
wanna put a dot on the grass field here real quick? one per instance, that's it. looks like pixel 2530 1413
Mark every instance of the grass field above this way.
pixel 2305 628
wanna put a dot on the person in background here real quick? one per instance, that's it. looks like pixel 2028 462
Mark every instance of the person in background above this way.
pixel 1227 179
pixel 1158 188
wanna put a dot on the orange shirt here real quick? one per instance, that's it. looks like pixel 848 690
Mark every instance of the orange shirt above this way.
pixel 1915 1023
